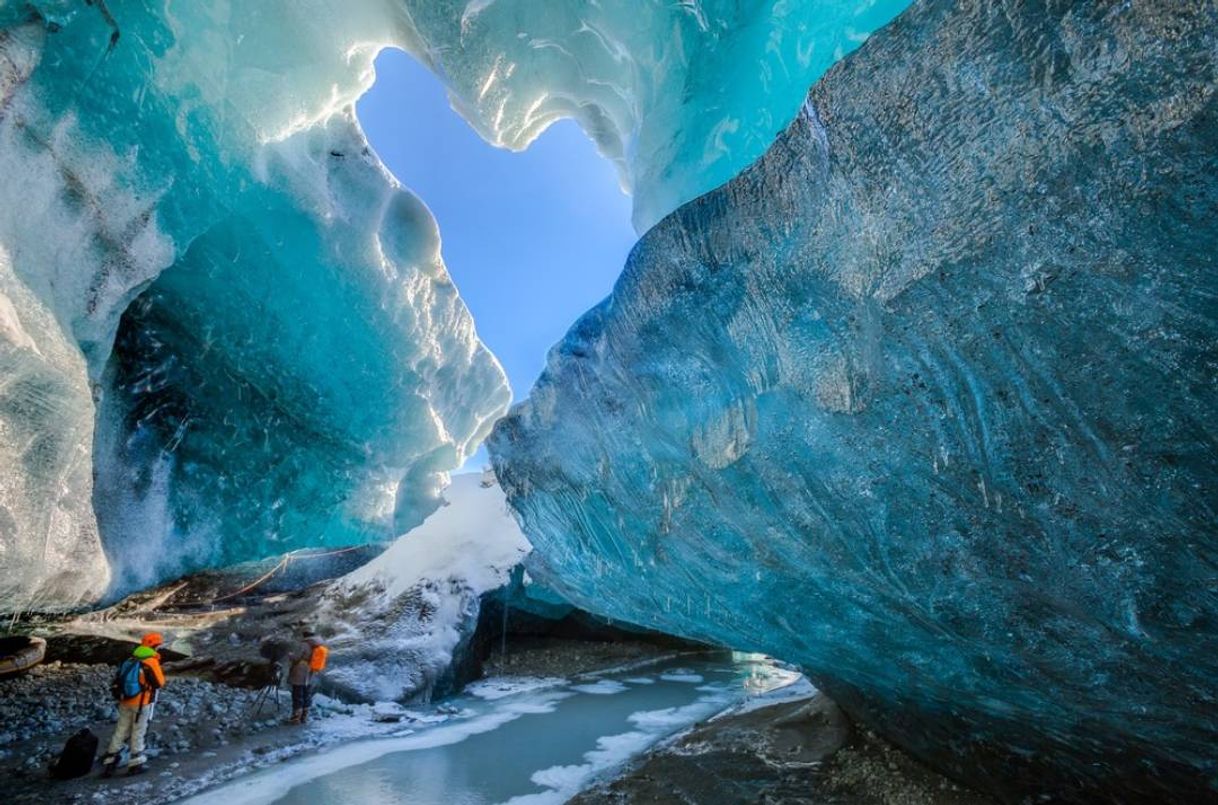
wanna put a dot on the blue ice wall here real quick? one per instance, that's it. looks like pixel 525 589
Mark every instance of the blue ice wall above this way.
pixel 256 343
pixel 925 401
pixel 225 330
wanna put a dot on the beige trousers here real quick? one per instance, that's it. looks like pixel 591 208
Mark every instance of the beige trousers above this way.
pixel 131 728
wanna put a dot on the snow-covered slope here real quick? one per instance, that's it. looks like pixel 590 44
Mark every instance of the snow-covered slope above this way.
pixel 472 536
pixel 398 620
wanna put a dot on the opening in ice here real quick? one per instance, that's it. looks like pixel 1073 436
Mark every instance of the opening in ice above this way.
pixel 258 356
pixel 532 239
pixel 299 369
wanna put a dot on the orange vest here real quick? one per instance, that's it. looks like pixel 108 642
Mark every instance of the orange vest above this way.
pixel 317 659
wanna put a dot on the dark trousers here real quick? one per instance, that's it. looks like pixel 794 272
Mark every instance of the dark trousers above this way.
pixel 302 697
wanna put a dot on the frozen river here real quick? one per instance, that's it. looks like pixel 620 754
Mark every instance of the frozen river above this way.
pixel 521 741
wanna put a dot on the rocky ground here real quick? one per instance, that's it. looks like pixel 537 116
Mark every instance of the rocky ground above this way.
pixel 201 732
pixel 208 728
pixel 803 752
pixel 204 731
pixel 566 658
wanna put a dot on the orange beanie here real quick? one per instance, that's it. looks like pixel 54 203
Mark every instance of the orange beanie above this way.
pixel 152 640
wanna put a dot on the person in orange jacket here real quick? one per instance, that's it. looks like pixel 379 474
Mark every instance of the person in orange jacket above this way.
pixel 135 686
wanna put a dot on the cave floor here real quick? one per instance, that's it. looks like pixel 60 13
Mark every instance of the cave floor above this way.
pixel 801 752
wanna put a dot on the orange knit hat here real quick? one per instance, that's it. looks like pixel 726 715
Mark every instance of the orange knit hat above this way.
pixel 152 640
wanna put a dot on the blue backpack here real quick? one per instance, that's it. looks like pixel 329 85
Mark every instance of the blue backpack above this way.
pixel 127 681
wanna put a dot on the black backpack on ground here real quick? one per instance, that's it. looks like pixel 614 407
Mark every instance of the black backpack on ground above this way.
pixel 77 756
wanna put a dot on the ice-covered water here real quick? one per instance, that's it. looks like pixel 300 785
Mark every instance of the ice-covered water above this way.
pixel 539 744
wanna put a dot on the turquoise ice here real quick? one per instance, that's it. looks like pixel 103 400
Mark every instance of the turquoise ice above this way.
pixel 925 401
pixel 922 400
pixel 292 365
pixel 226 331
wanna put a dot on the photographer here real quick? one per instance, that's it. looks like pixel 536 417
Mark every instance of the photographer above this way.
pixel 308 659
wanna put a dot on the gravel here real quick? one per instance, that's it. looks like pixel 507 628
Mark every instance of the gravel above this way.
pixel 554 657
pixel 40 709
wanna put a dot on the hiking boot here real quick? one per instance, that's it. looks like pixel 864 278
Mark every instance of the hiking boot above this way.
pixel 304 716
pixel 138 768
pixel 108 769
pixel 295 719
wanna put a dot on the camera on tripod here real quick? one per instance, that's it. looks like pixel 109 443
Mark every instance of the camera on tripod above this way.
pixel 274 652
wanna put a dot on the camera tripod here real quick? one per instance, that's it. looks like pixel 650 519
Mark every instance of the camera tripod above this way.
pixel 269 690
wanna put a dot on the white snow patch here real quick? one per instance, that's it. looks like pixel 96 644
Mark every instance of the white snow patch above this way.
pixel 604 687
pixel 565 781
pixel 799 688
pixel 473 536
pixel 683 675
pixel 498 687
pixel 639 680
pixel 670 718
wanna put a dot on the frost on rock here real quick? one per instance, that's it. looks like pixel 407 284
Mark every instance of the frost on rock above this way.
pixel 399 620
pixel 924 401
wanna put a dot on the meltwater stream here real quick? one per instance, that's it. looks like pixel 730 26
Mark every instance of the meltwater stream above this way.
pixel 519 741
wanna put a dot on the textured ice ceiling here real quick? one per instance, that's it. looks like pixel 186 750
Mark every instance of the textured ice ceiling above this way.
pixel 225 331
pixel 925 402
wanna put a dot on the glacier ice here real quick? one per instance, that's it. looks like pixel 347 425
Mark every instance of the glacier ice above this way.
pixel 680 96
pixel 74 244
pixel 244 337
pixel 924 402
pixel 337 419
pixel 47 530
pixel 233 329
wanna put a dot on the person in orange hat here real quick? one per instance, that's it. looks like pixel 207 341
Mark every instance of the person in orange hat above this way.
pixel 135 687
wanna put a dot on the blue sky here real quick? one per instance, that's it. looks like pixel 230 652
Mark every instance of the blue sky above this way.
pixel 532 239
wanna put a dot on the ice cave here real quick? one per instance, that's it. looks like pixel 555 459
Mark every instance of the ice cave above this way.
pixel 886 472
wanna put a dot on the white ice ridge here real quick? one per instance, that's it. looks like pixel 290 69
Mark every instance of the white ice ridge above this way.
pixel 680 96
